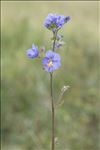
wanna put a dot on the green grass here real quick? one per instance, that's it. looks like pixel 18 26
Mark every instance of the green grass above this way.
pixel 26 116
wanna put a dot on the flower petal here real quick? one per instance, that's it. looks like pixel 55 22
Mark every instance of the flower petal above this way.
pixel 48 69
pixel 30 53
pixel 56 65
pixel 45 61
pixel 49 54
pixel 67 19
pixel 56 57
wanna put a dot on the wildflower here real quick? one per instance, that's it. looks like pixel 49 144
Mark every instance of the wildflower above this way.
pixel 32 52
pixel 55 21
pixel 51 61
pixel 58 44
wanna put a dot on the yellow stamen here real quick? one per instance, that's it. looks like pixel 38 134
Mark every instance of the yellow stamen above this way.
pixel 50 63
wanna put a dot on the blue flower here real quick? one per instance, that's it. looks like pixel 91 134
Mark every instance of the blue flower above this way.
pixel 32 52
pixel 58 44
pixel 51 61
pixel 55 21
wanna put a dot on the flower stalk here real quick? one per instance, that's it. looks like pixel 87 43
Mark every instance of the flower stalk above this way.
pixel 52 112
pixel 52 99
pixel 54 42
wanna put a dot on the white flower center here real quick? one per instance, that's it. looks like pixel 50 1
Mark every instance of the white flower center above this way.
pixel 50 63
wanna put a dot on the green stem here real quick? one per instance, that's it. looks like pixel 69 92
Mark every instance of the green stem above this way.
pixel 52 100
pixel 55 36
pixel 53 112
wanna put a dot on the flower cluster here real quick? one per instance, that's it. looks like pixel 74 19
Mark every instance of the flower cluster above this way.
pixel 51 60
pixel 55 21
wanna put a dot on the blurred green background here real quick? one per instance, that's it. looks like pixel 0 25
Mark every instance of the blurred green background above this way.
pixel 26 107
